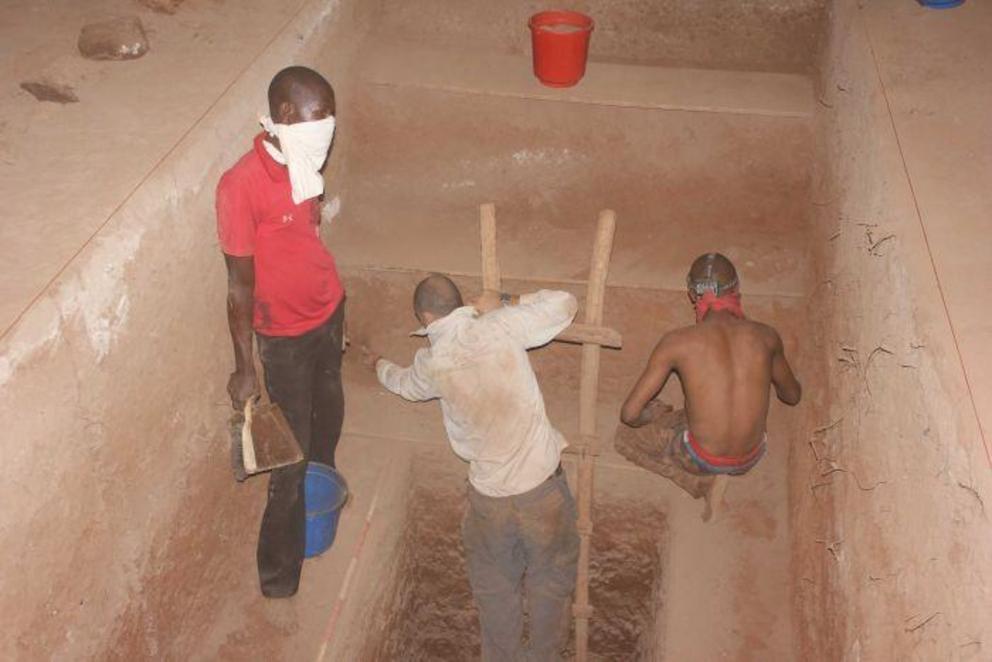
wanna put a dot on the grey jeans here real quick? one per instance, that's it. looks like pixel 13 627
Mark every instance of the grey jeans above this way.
pixel 522 548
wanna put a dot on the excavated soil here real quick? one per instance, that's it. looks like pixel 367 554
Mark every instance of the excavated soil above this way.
pixel 429 612
pixel 625 578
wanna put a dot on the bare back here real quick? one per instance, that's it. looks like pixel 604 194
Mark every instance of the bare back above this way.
pixel 725 369
pixel 726 366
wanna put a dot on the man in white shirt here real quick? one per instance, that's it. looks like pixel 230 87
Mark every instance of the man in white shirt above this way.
pixel 519 531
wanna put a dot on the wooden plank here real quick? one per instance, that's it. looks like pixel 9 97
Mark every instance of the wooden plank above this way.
pixel 587 333
pixel 491 279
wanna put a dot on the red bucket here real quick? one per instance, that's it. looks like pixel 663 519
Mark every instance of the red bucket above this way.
pixel 560 40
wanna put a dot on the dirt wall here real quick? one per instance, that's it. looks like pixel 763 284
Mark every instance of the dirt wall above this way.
pixel 122 529
pixel 892 548
pixel 759 35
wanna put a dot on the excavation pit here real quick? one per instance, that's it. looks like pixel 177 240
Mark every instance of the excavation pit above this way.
pixel 427 609
pixel 807 139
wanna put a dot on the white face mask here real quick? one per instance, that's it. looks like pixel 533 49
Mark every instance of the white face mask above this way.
pixel 303 148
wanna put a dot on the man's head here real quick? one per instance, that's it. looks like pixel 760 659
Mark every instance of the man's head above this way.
pixel 435 297
pixel 299 94
pixel 714 273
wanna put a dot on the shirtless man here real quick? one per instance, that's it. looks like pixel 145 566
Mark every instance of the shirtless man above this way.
pixel 726 365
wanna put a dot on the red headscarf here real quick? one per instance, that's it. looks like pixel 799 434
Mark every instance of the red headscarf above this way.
pixel 731 302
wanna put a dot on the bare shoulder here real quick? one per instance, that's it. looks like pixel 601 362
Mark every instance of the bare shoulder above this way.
pixel 768 333
pixel 673 342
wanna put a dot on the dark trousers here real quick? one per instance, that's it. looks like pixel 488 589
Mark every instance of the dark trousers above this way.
pixel 519 549
pixel 303 376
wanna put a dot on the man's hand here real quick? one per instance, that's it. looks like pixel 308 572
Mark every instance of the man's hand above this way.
pixel 487 301
pixel 652 411
pixel 491 300
pixel 242 386
pixel 369 358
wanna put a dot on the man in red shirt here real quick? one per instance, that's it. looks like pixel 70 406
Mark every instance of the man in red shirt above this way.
pixel 283 283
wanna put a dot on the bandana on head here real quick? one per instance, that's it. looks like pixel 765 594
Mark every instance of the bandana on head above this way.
pixel 303 149
pixel 709 301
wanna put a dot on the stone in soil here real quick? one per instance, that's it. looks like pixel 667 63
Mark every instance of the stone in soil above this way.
pixel 117 39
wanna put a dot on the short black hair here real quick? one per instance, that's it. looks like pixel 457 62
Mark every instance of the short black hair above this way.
pixel 438 295
pixel 291 82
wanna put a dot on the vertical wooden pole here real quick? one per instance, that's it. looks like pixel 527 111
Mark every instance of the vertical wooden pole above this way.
pixel 588 393
pixel 491 279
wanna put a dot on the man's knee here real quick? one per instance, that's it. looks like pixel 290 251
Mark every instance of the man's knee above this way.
pixel 555 579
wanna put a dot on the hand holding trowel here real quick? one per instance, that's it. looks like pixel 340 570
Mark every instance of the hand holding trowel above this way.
pixel 261 439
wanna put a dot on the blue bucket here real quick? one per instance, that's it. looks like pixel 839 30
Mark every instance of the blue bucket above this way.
pixel 325 492
pixel 941 4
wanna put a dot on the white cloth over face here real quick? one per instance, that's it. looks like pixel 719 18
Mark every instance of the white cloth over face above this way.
pixel 303 149
pixel 274 153
pixel 492 405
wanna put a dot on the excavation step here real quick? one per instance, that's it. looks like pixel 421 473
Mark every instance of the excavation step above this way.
pixel 622 85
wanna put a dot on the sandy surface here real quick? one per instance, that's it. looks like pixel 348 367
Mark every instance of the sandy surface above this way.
pixel 112 384
pixel 65 168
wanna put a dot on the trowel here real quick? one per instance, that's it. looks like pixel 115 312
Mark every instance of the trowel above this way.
pixel 261 439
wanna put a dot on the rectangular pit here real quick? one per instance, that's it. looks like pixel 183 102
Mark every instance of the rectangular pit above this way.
pixel 115 341
pixel 426 610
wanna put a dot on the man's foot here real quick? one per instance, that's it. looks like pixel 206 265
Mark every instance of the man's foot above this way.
pixel 695 485
pixel 714 497
pixel 279 593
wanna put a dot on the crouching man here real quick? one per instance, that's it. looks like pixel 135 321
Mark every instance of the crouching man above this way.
pixel 519 531
pixel 726 365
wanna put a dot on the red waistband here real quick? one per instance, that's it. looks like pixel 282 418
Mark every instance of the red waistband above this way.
pixel 722 460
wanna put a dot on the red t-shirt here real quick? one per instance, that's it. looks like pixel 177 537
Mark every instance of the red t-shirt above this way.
pixel 297 287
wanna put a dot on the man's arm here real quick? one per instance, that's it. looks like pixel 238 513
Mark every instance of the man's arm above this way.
pixel 243 383
pixel 787 387
pixel 635 411
pixel 534 318
pixel 412 383
pixel 236 235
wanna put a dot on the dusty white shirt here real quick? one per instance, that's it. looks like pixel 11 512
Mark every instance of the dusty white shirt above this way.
pixel 492 406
